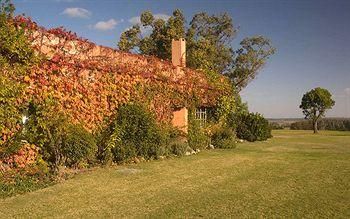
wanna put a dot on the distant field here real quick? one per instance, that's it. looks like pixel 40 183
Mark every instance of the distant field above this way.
pixel 285 122
pixel 329 123
pixel 295 174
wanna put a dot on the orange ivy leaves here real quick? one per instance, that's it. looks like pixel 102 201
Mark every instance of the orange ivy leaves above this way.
pixel 25 156
pixel 89 82
pixel 87 96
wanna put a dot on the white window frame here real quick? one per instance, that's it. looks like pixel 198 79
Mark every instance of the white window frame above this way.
pixel 201 115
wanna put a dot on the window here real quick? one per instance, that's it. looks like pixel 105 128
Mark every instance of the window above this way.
pixel 201 116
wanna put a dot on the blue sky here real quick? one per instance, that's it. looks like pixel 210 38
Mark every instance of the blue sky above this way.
pixel 311 37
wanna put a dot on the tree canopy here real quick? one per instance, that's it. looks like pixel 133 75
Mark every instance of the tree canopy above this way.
pixel 16 56
pixel 315 103
pixel 209 44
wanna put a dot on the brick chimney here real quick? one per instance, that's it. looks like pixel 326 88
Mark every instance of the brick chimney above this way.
pixel 178 52
pixel 178 58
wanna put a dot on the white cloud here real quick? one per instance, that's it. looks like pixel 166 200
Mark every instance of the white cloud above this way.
pixel 106 25
pixel 162 16
pixel 347 91
pixel 137 20
pixel 77 12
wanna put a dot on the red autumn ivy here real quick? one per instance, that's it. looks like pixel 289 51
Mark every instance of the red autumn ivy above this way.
pixel 89 82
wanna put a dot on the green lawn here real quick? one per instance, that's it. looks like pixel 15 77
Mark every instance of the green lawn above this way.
pixel 294 174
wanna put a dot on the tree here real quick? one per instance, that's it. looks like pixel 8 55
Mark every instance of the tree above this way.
pixel 158 42
pixel 315 103
pixel 209 39
pixel 16 56
pixel 250 59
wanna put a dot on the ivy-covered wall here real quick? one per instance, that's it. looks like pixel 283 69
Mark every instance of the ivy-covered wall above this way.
pixel 88 82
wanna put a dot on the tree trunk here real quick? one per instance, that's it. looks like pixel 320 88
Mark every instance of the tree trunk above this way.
pixel 315 127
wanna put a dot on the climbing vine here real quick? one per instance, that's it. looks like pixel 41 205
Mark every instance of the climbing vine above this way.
pixel 88 82
pixel 16 58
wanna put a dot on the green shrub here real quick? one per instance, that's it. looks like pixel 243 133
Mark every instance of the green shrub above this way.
pixel 11 146
pixel 178 148
pixel 173 133
pixel 78 145
pixel 46 129
pixel 124 152
pixel 61 143
pixel 106 138
pixel 250 126
pixel 136 133
pixel 223 137
pixel 197 139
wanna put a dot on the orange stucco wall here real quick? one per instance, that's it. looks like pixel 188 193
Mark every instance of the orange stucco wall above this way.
pixel 180 119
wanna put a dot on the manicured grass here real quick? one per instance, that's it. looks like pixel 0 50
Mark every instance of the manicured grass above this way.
pixel 295 174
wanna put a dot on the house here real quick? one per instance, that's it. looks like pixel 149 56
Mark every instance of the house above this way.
pixel 88 82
